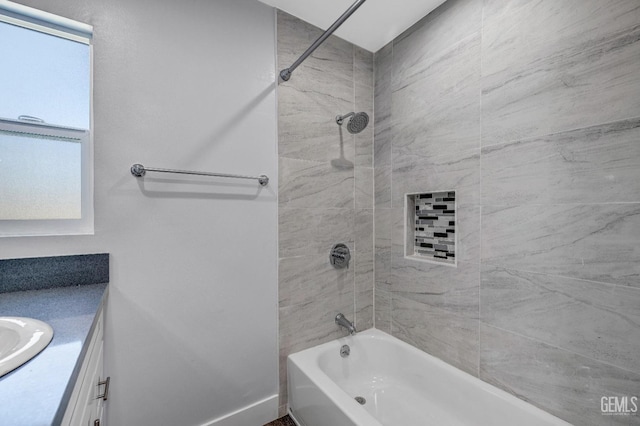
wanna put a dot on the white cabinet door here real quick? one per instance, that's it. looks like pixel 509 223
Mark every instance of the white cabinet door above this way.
pixel 97 403
pixel 84 406
pixel 87 407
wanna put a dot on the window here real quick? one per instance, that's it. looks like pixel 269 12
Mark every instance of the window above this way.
pixel 46 153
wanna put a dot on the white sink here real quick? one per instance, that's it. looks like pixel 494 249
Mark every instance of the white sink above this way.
pixel 20 340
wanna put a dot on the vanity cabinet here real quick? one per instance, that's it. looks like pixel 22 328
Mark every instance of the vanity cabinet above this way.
pixel 90 392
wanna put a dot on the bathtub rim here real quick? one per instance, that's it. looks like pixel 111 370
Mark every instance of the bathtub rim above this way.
pixel 356 413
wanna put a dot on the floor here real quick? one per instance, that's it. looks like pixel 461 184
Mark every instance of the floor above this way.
pixel 283 421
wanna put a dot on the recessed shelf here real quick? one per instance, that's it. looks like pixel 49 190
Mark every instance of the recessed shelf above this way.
pixel 430 228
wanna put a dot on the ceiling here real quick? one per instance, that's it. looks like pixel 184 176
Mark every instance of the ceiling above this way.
pixel 371 27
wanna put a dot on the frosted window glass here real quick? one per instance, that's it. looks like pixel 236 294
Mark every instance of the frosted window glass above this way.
pixel 41 178
pixel 46 165
pixel 44 76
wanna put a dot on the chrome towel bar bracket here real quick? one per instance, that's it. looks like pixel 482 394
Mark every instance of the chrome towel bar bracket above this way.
pixel 138 170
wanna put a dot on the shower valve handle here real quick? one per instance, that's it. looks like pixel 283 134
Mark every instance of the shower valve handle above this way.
pixel 340 256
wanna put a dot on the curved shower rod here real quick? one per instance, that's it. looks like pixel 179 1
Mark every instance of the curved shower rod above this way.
pixel 285 74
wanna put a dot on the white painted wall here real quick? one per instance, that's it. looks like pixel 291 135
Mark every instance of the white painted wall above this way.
pixel 191 326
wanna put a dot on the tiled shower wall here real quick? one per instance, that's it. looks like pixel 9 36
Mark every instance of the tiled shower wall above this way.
pixel 325 189
pixel 530 111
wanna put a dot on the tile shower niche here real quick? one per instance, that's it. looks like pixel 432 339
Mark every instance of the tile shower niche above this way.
pixel 430 230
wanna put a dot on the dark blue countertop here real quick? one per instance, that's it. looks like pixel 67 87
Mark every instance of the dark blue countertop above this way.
pixel 32 394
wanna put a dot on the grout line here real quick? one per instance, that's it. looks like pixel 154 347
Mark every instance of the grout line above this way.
pixel 457 155
pixel 560 132
pixel 480 193
pixel 391 138
pixel 355 185
pixel 435 57
pixel 600 283
pixel 623 203
pixel 533 339
pixel 281 157
pixel 323 208
pixel 373 166
pixel 277 149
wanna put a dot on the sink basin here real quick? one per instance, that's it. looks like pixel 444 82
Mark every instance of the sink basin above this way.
pixel 20 340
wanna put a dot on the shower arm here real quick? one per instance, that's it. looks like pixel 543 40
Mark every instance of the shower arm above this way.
pixel 285 74
pixel 340 118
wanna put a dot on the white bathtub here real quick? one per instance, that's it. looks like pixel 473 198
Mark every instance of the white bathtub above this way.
pixel 402 385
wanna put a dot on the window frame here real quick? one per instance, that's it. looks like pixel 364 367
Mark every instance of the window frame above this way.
pixel 44 22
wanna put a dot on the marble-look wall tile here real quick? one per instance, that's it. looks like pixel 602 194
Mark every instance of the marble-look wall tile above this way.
pixel 382 187
pixel 307 278
pixel 453 289
pixel 322 88
pixel 364 97
pixel 596 242
pixel 566 21
pixel 581 316
pixel 441 29
pixel 543 82
pixel 310 324
pixel 310 184
pixel 282 376
pixel 415 173
pixel 364 139
pixel 364 272
pixel 383 245
pixel 427 110
pixel 383 224
pixel 468 232
pixel 363 66
pixel 399 222
pixel 441 333
pixel 565 384
pixel 383 261
pixel 382 309
pixel 364 187
pixel 310 231
pixel 364 238
pixel 332 61
pixel 364 310
pixel 383 67
pixel 307 128
pixel 306 325
pixel 317 195
pixel 382 102
pixel 598 164
pixel 536 132
pixel 364 268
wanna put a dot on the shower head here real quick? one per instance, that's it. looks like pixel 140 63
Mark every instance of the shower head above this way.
pixel 358 122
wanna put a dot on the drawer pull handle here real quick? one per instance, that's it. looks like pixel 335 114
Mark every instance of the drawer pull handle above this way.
pixel 105 395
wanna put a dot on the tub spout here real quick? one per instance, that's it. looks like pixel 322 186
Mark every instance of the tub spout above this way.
pixel 342 321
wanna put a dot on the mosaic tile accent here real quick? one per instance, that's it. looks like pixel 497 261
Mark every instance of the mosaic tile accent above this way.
pixel 431 226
